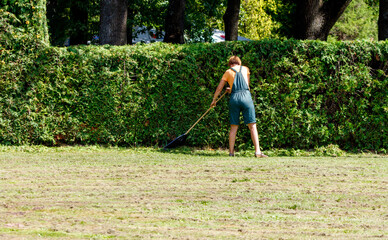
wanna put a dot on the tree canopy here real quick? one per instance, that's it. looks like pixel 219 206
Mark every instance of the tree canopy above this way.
pixel 257 19
pixel 359 21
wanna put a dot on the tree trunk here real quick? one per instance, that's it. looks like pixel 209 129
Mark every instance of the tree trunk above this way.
pixel 113 20
pixel 231 18
pixel 315 18
pixel 383 20
pixel 174 25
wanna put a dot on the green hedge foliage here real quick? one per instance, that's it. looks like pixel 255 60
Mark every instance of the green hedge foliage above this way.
pixel 307 94
pixel 23 25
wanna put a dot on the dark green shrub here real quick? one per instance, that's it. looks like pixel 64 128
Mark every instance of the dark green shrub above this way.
pixel 23 25
pixel 307 94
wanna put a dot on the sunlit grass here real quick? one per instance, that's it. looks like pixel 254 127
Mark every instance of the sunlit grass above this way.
pixel 99 193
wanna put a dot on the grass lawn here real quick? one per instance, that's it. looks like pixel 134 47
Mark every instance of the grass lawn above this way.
pixel 102 193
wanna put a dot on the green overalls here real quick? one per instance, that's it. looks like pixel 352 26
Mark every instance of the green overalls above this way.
pixel 241 101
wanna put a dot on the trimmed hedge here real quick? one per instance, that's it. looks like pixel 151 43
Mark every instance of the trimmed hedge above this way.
pixel 23 25
pixel 307 94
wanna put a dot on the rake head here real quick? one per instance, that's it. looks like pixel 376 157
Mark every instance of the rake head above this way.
pixel 179 141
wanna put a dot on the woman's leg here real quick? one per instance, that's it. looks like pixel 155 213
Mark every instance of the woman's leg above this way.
pixel 232 138
pixel 255 137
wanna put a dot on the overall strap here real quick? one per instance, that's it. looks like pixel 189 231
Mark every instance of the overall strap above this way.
pixel 239 83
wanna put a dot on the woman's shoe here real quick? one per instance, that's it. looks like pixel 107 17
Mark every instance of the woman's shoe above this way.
pixel 260 155
pixel 231 154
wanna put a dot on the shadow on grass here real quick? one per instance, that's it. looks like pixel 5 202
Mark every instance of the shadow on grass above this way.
pixel 194 151
pixel 327 151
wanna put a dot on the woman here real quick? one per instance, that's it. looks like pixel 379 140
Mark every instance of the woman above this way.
pixel 240 101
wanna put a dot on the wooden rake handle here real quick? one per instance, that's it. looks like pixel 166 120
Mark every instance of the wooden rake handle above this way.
pixel 203 115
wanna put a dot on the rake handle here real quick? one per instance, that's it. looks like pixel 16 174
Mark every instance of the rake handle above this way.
pixel 203 115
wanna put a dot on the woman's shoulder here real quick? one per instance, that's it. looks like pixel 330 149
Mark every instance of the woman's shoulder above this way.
pixel 246 68
pixel 229 71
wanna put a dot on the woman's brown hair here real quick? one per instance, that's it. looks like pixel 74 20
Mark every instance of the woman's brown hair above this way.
pixel 234 60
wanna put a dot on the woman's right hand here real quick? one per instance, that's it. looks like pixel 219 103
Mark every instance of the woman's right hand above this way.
pixel 213 104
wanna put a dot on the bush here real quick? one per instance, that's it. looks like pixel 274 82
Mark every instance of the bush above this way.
pixel 307 94
pixel 23 25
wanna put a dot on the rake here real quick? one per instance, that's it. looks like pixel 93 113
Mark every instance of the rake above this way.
pixel 182 138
